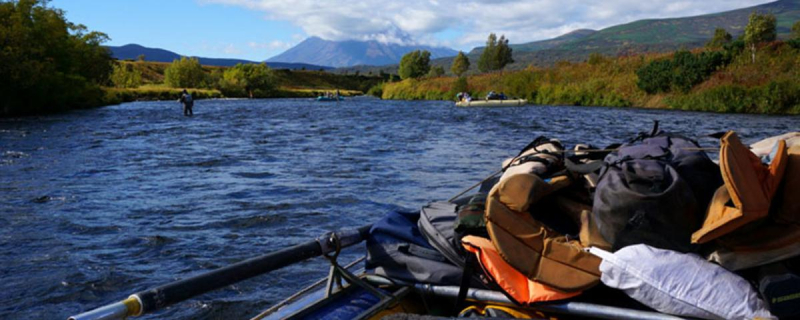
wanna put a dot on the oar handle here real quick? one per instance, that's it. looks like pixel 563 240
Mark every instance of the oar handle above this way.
pixel 119 310
pixel 154 299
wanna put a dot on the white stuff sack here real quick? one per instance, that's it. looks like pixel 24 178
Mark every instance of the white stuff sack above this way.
pixel 764 147
pixel 680 284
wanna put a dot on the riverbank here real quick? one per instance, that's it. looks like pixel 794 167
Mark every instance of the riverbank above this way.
pixel 768 86
pixel 113 96
pixel 287 84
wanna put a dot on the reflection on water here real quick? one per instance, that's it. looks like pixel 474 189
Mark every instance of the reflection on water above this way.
pixel 99 204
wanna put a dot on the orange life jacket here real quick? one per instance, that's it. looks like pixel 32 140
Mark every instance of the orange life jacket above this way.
pixel 515 284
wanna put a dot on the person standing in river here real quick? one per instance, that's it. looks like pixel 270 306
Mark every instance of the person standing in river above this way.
pixel 188 103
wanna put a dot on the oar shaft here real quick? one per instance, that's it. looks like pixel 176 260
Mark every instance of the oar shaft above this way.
pixel 153 299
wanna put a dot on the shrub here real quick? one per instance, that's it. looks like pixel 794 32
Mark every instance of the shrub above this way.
pixel 125 76
pixel 248 80
pixel 376 90
pixel 776 97
pixel 655 77
pixel 684 71
pixel 185 73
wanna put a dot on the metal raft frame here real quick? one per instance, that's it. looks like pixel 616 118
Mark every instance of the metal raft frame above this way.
pixel 339 283
pixel 332 291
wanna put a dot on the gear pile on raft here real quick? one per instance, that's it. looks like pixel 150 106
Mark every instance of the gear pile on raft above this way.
pixel 651 225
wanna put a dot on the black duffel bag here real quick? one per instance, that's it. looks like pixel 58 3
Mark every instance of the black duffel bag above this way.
pixel 654 190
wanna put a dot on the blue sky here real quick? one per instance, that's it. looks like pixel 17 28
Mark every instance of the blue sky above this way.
pixel 185 26
pixel 259 29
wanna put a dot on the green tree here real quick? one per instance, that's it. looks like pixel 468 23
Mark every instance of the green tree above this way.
pixel 460 64
pixel 720 39
pixel 796 30
pixel 414 64
pixel 46 62
pixel 126 76
pixel 185 73
pixel 436 72
pixel 761 28
pixel 140 58
pixel 504 53
pixel 250 80
pixel 496 55
pixel 486 61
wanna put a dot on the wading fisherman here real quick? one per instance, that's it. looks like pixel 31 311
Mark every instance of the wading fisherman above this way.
pixel 188 103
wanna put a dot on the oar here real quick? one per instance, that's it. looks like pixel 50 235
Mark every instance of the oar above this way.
pixel 153 299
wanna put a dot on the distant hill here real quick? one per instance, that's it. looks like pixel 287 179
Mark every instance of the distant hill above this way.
pixel 669 34
pixel 546 44
pixel 132 51
pixel 643 36
pixel 351 53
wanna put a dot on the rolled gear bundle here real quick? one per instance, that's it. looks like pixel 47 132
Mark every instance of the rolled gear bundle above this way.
pixel 541 157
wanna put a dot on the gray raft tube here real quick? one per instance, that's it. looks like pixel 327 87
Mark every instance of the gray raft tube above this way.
pixel 582 309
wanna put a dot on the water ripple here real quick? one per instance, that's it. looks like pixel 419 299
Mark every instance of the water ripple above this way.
pixel 98 204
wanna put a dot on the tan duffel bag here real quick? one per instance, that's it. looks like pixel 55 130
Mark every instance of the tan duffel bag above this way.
pixel 528 245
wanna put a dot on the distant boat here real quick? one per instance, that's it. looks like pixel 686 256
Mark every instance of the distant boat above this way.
pixel 492 103
pixel 324 98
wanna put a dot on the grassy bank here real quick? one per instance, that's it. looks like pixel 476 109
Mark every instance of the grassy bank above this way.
pixel 154 92
pixel 770 85
pixel 113 96
pixel 288 83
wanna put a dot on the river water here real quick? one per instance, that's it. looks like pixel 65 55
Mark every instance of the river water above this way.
pixel 98 204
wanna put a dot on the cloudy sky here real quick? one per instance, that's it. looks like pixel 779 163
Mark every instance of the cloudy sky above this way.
pixel 259 29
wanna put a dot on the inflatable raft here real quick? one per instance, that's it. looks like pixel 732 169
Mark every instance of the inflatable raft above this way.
pixel 492 103
pixel 324 98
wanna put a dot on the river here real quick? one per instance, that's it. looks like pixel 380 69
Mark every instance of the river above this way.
pixel 98 204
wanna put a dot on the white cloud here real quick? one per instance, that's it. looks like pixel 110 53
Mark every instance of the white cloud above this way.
pixel 272 45
pixel 520 20
pixel 230 49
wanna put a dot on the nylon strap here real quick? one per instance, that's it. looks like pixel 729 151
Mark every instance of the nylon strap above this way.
pixel 466 276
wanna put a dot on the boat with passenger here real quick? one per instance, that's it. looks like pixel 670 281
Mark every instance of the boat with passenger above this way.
pixel 492 99
pixel 330 96
pixel 326 98
pixel 649 228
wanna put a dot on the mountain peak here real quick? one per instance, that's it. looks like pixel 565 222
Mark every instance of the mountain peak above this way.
pixel 315 50
pixel 132 51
